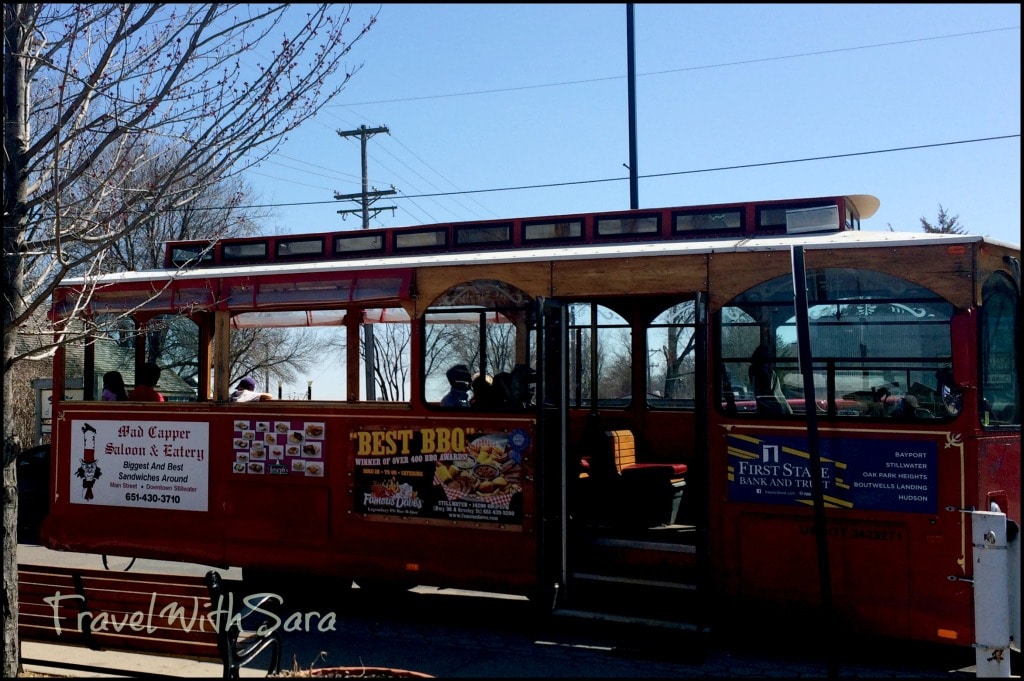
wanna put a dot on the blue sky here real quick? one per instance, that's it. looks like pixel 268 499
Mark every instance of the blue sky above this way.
pixel 500 96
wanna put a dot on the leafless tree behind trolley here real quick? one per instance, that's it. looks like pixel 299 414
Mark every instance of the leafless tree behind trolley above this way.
pixel 95 93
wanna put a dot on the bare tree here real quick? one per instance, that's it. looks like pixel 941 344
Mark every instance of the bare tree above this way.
pixel 93 93
pixel 390 363
pixel 278 355
pixel 677 353
pixel 220 209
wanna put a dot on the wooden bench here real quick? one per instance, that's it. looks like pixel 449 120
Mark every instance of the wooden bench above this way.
pixel 158 614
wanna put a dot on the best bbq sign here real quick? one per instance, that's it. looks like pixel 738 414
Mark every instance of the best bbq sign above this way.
pixel 140 464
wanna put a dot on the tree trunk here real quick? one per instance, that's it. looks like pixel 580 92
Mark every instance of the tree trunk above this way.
pixel 15 219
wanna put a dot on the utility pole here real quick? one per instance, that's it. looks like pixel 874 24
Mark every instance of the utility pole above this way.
pixel 366 195
pixel 368 341
pixel 634 192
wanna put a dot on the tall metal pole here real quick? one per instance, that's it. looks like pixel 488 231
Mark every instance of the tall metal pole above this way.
pixel 803 341
pixel 634 189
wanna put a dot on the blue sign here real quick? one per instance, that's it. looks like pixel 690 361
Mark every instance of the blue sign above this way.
pixel 877 475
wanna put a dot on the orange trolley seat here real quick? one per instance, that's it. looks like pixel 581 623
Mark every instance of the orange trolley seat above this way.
pixel 623 444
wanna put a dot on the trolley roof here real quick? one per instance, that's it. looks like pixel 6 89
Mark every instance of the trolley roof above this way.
pixel 844 239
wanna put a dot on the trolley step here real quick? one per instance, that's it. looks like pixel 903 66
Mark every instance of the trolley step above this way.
pixel 644 544
pixel 633 560
pixel 655 623
pixel 632 596
pixel 619 579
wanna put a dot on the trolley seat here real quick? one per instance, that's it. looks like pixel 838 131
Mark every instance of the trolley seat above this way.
pixel 651 492
pixel 623 446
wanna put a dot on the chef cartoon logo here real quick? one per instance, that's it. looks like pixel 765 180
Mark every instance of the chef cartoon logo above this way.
pixel 88 471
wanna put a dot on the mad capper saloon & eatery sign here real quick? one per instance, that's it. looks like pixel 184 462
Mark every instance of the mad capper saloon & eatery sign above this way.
pixel 146 464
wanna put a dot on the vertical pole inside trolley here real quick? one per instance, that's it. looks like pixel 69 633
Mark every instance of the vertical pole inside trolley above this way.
pixel 803 337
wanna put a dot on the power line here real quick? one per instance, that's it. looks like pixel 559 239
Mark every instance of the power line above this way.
pixel 649 176
pixel 743 62
pixel 469 194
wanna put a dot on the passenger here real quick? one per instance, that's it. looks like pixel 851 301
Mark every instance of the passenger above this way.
pixel 245 391
pixel 768 393
pixel 524 386
pixel 113 387
pixel 910 408
pixel 502 391
pixel 146 378
pixel 728 393
pixel 949 392
pixel 483 393
pixel 879 402
pixel 459 378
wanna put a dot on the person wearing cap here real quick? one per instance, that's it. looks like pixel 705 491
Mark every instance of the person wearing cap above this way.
pixel 245 391
pixel 459 378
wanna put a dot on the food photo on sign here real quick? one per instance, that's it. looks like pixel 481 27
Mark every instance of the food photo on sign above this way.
pixel 281 444
pixel 488 472
pixel 479 473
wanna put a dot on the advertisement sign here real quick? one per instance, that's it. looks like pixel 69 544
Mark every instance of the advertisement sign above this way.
pixel 441 473
pixel 279 447
pixel 141 464
pixel 879 475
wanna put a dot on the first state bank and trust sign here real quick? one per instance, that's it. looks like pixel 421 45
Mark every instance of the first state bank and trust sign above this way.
pixel 879 475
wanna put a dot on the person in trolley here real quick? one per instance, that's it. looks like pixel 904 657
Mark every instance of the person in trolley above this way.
pixel 459 378
pixel 146 379
pixel 245 391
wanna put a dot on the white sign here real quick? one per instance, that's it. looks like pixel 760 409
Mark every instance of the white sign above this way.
pixel 47 400
pixel 142 464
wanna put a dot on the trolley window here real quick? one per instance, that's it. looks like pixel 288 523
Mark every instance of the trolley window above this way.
pixel 711 221
pixel 191 254
pixel 880 345
pixel 798 219
pixel 300 248
pixel 671 358
pixel 1000 336
pixel 249 250
pixel 600 357
pixel 628 226
pixel 492 235
pixel 423 240
pixel 570 230
pixel 479 348
pixel 354 244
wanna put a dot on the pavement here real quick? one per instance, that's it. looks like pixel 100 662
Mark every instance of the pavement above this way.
pixel 462 634
pixel 115 665
pixel 515 659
